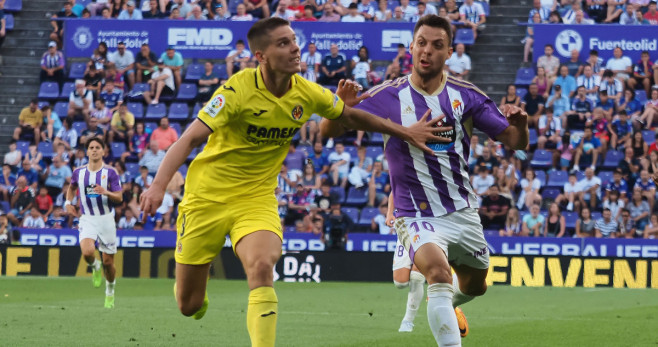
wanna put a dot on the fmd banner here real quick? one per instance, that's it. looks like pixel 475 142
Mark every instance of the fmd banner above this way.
pixel 214 39
pixel 633 39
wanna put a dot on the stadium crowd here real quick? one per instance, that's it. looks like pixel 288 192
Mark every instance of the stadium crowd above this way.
pixel 593 115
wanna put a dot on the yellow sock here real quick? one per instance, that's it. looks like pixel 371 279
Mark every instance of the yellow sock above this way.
pixel 261 316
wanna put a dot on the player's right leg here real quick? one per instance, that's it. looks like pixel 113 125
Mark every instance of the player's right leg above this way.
pixel 88 247
pixel 190 289
pixel 406 275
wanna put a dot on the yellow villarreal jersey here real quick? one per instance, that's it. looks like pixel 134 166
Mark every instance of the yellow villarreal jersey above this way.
pixel 252 131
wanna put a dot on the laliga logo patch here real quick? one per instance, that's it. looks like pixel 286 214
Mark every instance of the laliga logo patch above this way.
pixel 82 38
pixel 297 112
pixel 451 134
pixel 215 105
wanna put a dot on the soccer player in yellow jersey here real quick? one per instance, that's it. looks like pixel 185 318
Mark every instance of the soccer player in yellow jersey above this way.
pixel 249 123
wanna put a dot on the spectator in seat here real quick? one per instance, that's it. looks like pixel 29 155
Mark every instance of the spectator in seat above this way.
pixel 333 67
pixel 43 202
pixel 606 104
pixel 237 58
pixel 650 231
pixel 591 82
pixel 587 150
pixel 621 65
pixel 459 63
pixel 565 80
pixel 510 98
pixel 297 205
pixel 403 60
pixel 631 105
pixel 650 109
pixel 378 223
pixel 207 83
pixel 549 130
pixel 452 10
pixel 613 87
pixel 640 211
pixel 312 60
pixel 52 65
pixel 130 12
pixel 152 158
pixel 319 159
pixel 111 96
pixel 487 160
pixel 408 10
pixel 529 39
pixel 530 186
pixel 574 63
pixel 163 213
pixel 581 111
pixel 652 14
pixel 533 104
pixel 175 14
pixel 537 8
pixel 643 73
pixel 164 134
pixel 221 14
pixel 549 62
pixel 196 14
pixel 482 181
pixel 472 15
pixel 367 9
pixel 160 84
pixel 581 19
pixel 558 102
pixel 340 165
pixel 533 222
pixel 626 225
pixel 308 15
pixel 569 193
pixel 67 136
pixel 124 62
pixel 326 198
pixel 7 181
pixel 174 61
pixel 14 156
pixel 361 67
pixel 378 186
pixel 102 114
pixel 122 124
pixel 629 16
pixel 336 227
pixel 283 12
pixel 29 122
pixel 606 227
pixel 81 102
pixel 241 14
pixel 590 189
pixel 544 84
pixel 58 25
pixel 128 220
pixel 647 188
pixel 21 200
pixel 329 14
pixel 398 16
pixel 153 11
pixel 182 6
pixel 34 220
pixel 512 226
pixel 145 62
pixel 144 180
pixel 422 11
pixel 34 157
pixel 353 14
pixel 383 14
pixel 29 172
pixel 93 130
pixel 57 174
pixel 621 130
pixel 585 225
pixel 93 80
pixel 555 223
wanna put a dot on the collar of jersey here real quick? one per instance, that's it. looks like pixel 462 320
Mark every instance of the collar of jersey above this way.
pixel 260 84
pixel 436 92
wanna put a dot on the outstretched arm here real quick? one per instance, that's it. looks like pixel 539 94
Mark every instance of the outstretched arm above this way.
pixel 516 135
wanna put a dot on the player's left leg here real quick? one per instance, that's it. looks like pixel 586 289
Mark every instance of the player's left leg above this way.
pixel 468 283
pixel 110 282
pixel 259 251
pixel 412 278
pixel 88 248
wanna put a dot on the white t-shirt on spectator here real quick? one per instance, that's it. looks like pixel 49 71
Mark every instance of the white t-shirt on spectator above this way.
pixel 78 99
pixel 618 64
pixel 586 184
pixel 384 229
pixel 127 224
pixel 169 81
pixel 472 13
pixel 334 157
pixel 167 202
pixel 361 68
pixel 481 185
pixel 569 188
pixel 409 12
pixel 353 19
pixel 122 61
pixel 459 64
pixel 556 124
pixel 69 136
pixel 30 222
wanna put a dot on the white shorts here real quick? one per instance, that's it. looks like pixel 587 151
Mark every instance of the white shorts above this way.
pixel 100 228
pixel 459 234
pixel 401 258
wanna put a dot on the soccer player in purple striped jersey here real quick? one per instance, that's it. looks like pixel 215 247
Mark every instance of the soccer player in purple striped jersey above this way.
pixel 437 219
pixel 98 188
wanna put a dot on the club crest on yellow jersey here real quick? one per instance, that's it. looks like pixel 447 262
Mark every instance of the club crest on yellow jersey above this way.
pixel 297 112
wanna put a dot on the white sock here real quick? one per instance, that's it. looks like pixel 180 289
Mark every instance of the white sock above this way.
pixel 416 291
pixel 96 264
pixel 109 287
pixel 441 315
pixel 459 298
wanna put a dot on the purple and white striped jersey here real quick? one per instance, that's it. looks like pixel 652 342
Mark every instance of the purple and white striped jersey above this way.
pixel 91 203
pixel 424 185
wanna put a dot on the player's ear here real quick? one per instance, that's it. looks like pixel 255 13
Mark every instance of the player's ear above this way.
pixel 411 45
pixel 260 57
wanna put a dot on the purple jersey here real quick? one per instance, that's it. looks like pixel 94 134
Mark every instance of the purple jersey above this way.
pixel 85 180
pixel 424 185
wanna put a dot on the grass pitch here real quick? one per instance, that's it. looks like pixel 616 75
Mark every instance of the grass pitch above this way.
pixel 38 311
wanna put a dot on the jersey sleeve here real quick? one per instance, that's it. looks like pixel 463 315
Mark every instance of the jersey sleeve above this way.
pixel 486 116
pixel 74 178
pixel 326 103
pixel 113 182
pixel 377 103
pixel 223 105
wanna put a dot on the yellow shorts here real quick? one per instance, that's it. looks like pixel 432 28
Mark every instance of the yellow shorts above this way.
pixel 202 225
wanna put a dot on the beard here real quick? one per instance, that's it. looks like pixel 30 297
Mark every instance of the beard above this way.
pixel 428 73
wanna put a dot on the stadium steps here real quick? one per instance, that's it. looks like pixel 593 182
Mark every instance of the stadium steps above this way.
pixel 21 56
pixel 498 51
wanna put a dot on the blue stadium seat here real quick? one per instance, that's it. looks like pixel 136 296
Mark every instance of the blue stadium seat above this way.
pixel 605 176
pixel 550 193
pixel 67 88
pixel 464 36
pixel 353 213
pixel 541 176
pixel 48 91
pixel 649 136
pixel 79 127
pixel 376 140
pixel 340 192
pixel 136 108
pixel 13 5
pixel 596 215
pixel 186 92
pixel 580 175
pixel 150 126
pixel 641 96
pixel 194 72
pixel 6 207
pixel 43 103
pixel 485 6
pixel 133 168
pixel 524 76
pixel 521 92
pixel 533 137
pixel 557 179
pixel 542 160
pixel 176 126
pixel 367 214
pixel 77 70
pixel 61 108
pixel 374 151
pixel 612 159
pixel 570 219
pixel 356 197
pixel 352 151
pixel 9 22
pixel 23 146
pixel 178 112
pixel 46 149
pixel 156 111
pixel 195 111
pixel 118 148
pixel 193 154
pixel 136 93
pixel 86 2
pixel 220 69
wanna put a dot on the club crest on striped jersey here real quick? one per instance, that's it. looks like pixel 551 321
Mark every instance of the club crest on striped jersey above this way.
pixel 457 107
pixel 297 112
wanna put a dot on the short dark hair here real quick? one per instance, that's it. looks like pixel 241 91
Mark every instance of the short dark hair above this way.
pixel 308 7
pixel 435 21
pixel 594 52
pixel 45 108
pixel 96 139
pixel 257 35
pixel 608 73
pixel 34 101
pixel 549 45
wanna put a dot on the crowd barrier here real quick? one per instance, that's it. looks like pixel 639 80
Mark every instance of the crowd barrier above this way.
pixel 633 39
pixel 531 271
pixel 214 39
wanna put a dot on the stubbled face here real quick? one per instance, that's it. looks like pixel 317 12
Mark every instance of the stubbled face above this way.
pixel 430 50
pixel 282 54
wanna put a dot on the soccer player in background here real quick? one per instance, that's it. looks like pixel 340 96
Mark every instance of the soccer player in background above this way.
pixel 249 123
pixel 98 187
pixel 405 274
pixel 436 208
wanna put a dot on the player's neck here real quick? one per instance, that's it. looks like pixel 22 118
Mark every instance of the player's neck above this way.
pixel 428 85
pixel 95 165
pixel 276 83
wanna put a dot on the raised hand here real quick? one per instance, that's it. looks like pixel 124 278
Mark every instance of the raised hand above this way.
pixel 348 91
